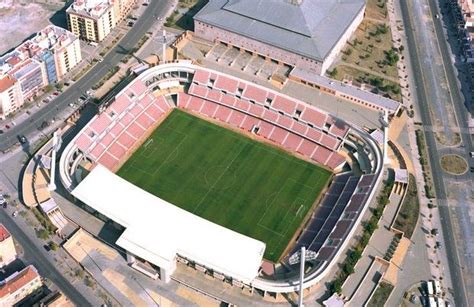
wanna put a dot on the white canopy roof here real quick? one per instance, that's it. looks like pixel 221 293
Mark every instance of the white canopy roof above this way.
pixel 157 230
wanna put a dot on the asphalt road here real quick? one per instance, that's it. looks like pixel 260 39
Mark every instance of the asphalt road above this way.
pixel 438 175
pixel 33 255
pixel 156 8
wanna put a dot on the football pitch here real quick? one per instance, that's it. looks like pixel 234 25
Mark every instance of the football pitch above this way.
pixel 227 178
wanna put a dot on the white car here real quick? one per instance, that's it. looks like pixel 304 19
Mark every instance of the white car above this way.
pixel 2 200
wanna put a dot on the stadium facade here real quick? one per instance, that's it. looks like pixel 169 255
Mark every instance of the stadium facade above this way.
pixel 300 33
pixel 162 234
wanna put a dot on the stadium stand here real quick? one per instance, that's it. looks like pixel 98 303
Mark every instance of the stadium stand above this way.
pixel 280 119
pixel 291 124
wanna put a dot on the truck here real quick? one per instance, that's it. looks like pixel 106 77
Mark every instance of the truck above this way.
pixel 430 287
pixel 437 287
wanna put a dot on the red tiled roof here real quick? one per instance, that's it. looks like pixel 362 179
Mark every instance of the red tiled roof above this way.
pixel 4 233
pixel 24 277
pixel 6 83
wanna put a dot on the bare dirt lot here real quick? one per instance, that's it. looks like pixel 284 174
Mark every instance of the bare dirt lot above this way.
pixel 19 19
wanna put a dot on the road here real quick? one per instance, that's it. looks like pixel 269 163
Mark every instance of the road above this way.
pixel 460 295
pixel 33 255
pixel 156 8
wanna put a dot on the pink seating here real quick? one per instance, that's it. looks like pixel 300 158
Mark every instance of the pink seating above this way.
pixel 284 104
pixel 321 155
pixel 136 110
pixel 314 135
pixel 99 124
pixel 276 121
pixel 117 150
pixel 126 119
pixel 135 130
pixel 121 103
pixel 292 141
pixel 307 148
pixel 236 118
pixel 154 112
pixel 183 100
pixel 242 105
pixel 314 117
pixel 254 93
pixel 329 141
pixel 195 104
pixel 83 142
pixel 228 100
pixel 227 84
pixel 299 128
pixel 270 116
pixel 137 87
pixel 249 122
pixel 97 151
pixel 198 90
pixel 339 128
pixel 214 95
pixel 256 110
pixel 285 121
pixel 126 140
pixel 201 77
pixel 278 135
pixel 222 113
pixel 117 130
pixel 335 160
pixel 145 121
pixel 162 104
pixel 107 140
pixel 108 161
pixel 145 101
pixel 266 129
pixel 209 108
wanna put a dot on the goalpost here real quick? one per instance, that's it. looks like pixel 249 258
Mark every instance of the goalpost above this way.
pixel 150 141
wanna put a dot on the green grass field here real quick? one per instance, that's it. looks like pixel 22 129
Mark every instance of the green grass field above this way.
pixel 227 178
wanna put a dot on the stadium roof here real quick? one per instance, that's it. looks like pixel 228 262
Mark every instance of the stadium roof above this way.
pixel 157 230
pixel 307 27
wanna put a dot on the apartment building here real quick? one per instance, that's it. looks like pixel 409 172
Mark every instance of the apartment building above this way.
pixel 10 96
pixel 41 60
pixel 93 20
pixel 7 247
pixel 57 48
pixel 19 285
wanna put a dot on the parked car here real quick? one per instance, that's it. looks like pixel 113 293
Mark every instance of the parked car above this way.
pixel 15 213
pixel 56 93
pixel 22 139
pixel 2 200
pixel 1 131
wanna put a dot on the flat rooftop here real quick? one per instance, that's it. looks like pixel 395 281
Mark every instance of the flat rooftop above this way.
pixel 157 230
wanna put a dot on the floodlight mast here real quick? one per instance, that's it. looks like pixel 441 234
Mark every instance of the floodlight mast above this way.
pixel 301 256
pixel 302 261
pixel 54 149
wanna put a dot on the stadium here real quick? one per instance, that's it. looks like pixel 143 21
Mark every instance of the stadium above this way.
pixel 231 178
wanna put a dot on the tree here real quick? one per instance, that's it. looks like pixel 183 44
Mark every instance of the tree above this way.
pixel 348 268
pixel 391 57
pixel 335 286
pixel 333 73
pixel 42 234
pixel 53 246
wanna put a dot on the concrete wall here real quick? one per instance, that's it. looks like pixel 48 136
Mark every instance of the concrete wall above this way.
pixel 342 41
